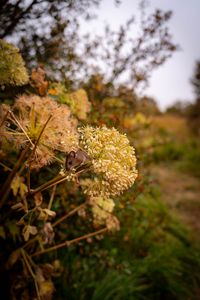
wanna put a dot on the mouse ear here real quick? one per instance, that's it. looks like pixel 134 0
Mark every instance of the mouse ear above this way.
pixel 72 154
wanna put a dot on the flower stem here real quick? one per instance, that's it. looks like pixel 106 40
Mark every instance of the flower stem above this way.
pixel 72 212
pixel 31 272
pixel 48 184
pixel 69 243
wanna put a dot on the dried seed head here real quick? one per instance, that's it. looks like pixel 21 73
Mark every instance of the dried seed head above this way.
pixel 46 123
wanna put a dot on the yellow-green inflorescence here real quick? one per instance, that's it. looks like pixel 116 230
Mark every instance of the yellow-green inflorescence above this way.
pixel 77 100
pixel 114 165
pixel 12 69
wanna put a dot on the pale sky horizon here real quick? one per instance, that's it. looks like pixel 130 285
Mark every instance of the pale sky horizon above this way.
pixel 171 81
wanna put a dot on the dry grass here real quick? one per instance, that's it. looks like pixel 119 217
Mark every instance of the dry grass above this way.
pixel 182 193
pixel 175 125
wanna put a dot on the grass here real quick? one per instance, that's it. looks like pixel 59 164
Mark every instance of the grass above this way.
pixel 151 258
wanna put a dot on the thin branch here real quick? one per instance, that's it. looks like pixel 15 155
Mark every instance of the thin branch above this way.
pixel 48 184
pixel 6 167
pixel 10 28
pixel 52 197
pixel 29 180
pixel 69 243
pixel 72 212
pixel 31 272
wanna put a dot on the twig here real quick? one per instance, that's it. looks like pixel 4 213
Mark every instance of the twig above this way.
pixel 6 167
pixel 48 184
pixel 69 243
pixel 52 196
pixel 51 199
pixel 31 272
pixel 55 224
pixel 29 180
pixel 72 212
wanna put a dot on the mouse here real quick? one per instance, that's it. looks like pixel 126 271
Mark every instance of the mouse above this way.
pixel 76 159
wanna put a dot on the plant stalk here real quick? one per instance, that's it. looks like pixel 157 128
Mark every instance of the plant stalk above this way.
pixel 69 243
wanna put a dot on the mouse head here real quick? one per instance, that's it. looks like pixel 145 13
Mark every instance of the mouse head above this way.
pixel 70 162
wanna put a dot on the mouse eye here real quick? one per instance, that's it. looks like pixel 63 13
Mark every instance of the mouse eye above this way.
pixel 70 163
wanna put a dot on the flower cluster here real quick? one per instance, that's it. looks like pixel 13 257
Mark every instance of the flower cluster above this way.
pixel 112 157
pixel 114 165
pixel 46 123
pixel 12 69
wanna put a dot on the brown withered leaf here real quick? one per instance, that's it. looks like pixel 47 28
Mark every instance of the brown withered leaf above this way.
pixel 38 198
pixel 38 80
pixel 45 212
pixel 27 230
pixel 49 212
pixel 47 233
pixel 18 206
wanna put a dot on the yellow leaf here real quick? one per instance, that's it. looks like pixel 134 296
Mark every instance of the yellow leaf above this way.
pixel 49 212
pixel 46 288
pixel 15 185
pixel 27 230
pixel 18 186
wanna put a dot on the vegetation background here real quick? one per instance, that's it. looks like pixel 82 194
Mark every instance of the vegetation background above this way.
pixel 95 80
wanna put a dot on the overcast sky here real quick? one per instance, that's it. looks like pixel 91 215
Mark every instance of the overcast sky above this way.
pixel 171 81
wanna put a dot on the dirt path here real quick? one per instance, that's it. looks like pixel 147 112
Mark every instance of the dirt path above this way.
pixel 181 192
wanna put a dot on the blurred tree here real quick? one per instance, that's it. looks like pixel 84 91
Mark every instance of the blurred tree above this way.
pixel 16 16
pixel 47 32
pixel 196 79
pixel 178 108
pixel 147 106
pixel 194 109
